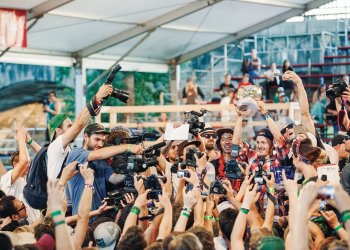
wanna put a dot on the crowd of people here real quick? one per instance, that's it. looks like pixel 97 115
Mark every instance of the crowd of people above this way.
pixel 212 191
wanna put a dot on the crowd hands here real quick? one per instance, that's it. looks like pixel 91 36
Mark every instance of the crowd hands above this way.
pixel 209 192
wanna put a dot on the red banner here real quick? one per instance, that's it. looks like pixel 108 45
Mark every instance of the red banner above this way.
pixel 13 28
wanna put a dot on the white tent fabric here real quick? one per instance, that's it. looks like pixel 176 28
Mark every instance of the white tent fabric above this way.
pixel 180 29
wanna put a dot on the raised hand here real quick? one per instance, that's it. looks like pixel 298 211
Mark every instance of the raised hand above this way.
pixel 191 198
pixel 136 149
pixel 55 197
pixel 250 196
pixel 331 218
pixel 142 200
pixel 291 186
pixel 21 134
pixel 103 91
pixel 129 198
pixel 68 172
pixel 87 173
pixel 291 76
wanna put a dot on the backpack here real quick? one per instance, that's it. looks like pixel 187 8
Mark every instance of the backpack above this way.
pixel 35 192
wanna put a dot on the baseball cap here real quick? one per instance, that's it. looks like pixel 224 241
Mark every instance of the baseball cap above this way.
pixel 270 242
pixel 283 122
pixel 55 122
pixel 118 132
pixel 280 89
pixel 299 129
pixel 106 235
pixel 339 139
pixel 20 238
pixel 184 144
pixel 95 128
pixel 265 133
pixel 282 94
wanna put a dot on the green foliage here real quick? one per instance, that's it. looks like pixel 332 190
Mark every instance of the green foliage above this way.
pixel 62 76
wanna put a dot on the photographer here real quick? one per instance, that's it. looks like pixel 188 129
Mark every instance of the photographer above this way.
pixel 63 132
pixel 52 106
pixel 94 153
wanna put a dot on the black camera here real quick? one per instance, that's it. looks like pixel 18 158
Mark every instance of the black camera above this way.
pixel 337 89
pixel 126 163
pixel 258 177
pixel 217 187
pixel 116 196
pixel 183 173
pixel 192 118
pixel 232 170
pixel 119 94
pixel 151 182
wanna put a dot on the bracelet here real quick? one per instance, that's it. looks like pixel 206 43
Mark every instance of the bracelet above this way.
pixel 186 209
pixel 266 116
pixel 271 190
pixel 186 214
pixel 207 217
pixel 129 148
pixel 135 210
pixel 244 210
pixel 30 141
pixel 56 213
pixel 217 219
pixel 345 215
pixel 89 186
pixel 60 222
pixel 338 228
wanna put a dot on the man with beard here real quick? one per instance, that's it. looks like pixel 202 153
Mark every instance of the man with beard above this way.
pixel 94 153
pixel 209 137
pixel 167 159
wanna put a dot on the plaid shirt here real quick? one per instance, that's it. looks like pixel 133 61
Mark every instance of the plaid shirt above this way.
pixel 278 154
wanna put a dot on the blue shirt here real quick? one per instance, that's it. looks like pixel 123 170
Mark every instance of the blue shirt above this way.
pixel 102 173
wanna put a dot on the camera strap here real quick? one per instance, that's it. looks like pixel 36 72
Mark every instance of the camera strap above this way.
pixel 271 198
pixel 93 107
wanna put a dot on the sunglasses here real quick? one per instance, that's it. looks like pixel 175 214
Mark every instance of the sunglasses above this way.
pixel 284 130
pixel 21 208
pixel 214 136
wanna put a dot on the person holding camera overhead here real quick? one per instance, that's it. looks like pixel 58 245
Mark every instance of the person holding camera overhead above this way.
pixel 94 153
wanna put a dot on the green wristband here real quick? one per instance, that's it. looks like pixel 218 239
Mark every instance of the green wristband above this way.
pixel 183 213
pixel 61 222
pixel 135 210
pixel 129 148
pixel 30 141
pixel 271 190
pixel 217 219
pixel 56 213
pixel 345 216
pixel 208 217
pixel 338 228
pixel 244 210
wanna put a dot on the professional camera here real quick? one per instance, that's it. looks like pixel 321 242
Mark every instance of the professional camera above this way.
pixel 217 187
pixel 192 118
pixel 126 163
pixel 116 196
pixel 337 89
pixel 119 94
pixel 136 139
pixel 258 178
pixel 233 172
pixel 152 182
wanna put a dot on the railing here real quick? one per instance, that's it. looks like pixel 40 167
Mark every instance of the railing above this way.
pixel 292 107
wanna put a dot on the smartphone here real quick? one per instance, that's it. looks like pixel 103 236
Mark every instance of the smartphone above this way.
pixel 326 192
pixel 183 173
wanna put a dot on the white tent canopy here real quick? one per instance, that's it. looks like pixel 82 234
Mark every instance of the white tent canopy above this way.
pixel 151 31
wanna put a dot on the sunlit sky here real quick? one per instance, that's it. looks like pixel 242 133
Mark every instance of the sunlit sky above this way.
pixel 339 9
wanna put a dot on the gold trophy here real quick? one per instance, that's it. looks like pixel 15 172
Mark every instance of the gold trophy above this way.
pixel 247 96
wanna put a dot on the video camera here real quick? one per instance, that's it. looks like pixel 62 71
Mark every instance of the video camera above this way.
pixel 337 89
pixel 136 139
pixel 116 196
pixel 192 118
pixel 119 94
pixel 189 162
pixel 127 163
